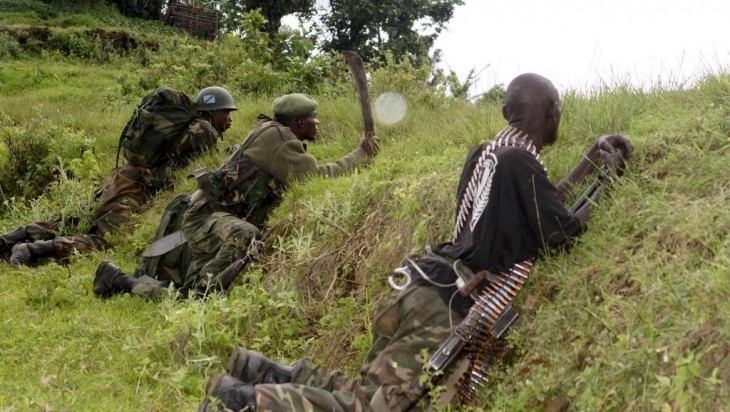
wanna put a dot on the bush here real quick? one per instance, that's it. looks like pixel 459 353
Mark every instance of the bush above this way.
pixel 251 62
pixel 401 77
pixel 42 10
pixel 76 44
pixel 34 155
pixel 66 198
pixel 9 47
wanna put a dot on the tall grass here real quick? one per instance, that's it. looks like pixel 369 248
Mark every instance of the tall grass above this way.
pixel 633 318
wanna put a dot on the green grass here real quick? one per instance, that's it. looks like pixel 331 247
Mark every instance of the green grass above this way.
pixel 78 14
pixel 633 318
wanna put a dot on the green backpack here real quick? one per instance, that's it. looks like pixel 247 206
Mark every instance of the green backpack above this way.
pixel 155 127
pixel 173 264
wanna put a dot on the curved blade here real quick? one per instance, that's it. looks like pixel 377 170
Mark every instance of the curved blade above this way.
pixel 358 71
pixel 165 244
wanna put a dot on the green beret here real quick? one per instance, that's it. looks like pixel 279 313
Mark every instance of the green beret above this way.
pixel 294 105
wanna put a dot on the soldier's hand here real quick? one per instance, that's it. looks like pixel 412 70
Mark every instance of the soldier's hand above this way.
pixel 615 142
pixel 612 162
pixel 369 145
pixel 249 234
pixel 614 150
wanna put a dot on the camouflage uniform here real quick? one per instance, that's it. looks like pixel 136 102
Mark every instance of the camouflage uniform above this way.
pixel 519 214
pixel 409 322
pixel 126 189
pixel 218 235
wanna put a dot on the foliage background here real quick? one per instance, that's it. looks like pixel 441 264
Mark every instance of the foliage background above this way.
pixel 634 318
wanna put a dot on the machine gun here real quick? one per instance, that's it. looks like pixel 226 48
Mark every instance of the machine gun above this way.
pixel 476 342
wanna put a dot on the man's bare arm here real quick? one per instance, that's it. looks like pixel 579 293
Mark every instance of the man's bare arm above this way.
pixel 608 150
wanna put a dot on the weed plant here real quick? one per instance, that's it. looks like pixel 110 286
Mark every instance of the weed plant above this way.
pixel 633 318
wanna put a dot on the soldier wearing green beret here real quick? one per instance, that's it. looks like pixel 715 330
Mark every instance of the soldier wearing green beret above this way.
pixel 219 235
pixel 507 213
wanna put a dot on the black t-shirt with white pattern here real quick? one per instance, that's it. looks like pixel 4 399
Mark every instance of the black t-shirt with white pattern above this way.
pixel 516 214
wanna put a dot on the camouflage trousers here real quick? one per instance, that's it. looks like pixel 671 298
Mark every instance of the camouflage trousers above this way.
pixel 63 246
pixel 121 194
pixel 125 190
pixel 66 246
pixel 216 239
pixel 410 323
pixel 42 230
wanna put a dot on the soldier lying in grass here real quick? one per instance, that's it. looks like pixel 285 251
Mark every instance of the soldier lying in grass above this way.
pixel 508 213
pixel 224 217
pixel 131 185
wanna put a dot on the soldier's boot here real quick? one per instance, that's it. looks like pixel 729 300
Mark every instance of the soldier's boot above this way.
pixel 231 394
pixel 110 280
pixel 26 253
pixel 253 368
pixel 9 240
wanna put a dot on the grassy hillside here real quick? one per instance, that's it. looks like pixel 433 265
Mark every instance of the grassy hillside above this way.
pixel 634 318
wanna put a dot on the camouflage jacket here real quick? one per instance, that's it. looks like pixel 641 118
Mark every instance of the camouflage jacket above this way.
pixel 250 183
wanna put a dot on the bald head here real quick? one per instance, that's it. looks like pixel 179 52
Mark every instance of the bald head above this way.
pixel 532 104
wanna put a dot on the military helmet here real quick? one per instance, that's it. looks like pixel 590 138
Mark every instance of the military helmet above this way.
pixel 215 98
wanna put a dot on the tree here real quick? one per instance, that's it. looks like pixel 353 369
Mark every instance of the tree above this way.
pixel 145 9
pixel 232 11
pixel 406 27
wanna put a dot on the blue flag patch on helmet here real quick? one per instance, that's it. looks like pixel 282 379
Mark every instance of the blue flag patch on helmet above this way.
pixel 215 98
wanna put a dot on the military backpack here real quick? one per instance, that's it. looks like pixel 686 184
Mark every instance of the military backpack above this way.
pixel 156 126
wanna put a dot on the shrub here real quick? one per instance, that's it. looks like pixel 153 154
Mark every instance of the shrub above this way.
pixel 35 153
pixel 9 47
pixel 76 44
pixel 42 10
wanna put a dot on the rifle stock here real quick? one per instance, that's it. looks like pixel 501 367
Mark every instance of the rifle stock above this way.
pixel 222 281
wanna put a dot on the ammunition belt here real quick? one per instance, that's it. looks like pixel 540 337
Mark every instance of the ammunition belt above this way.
pixel 484 346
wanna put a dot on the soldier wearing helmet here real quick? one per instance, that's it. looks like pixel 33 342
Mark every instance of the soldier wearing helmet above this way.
pixel 219 232
pixel 127 187
pixel 215 105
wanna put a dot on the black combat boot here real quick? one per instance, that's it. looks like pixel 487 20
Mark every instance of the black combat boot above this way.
pixel 9 240
pixel 231 394
pixel 26 253
pixel 253 368
pixel 110 280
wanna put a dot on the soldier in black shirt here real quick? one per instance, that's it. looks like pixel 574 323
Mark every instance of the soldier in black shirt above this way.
pixel 507 213
pixel 508 209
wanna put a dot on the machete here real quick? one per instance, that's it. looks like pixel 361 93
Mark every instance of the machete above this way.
pixel 164 244
pixel 361 81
